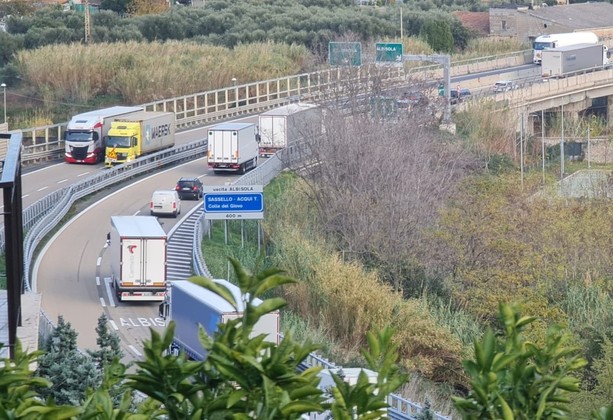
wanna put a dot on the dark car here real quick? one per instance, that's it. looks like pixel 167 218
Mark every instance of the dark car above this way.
pixel 458 96
pixel 189 188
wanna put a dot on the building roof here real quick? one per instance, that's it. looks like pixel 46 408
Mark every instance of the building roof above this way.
pixel 578 15
pixel 475 21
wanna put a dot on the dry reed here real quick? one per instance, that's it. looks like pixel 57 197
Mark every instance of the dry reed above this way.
pixel 143 72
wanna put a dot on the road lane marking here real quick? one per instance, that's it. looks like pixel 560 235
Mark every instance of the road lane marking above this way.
pixel 62 181
pixel 42 189
pixel 136 352
pixel 107 282
pixel 98 261
pixel 114 325
pixel 83 174
pixel 97 281
pixel 142 322
pixel 102 302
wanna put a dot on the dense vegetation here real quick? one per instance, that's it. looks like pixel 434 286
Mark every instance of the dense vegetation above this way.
pixel 247 377
pixel 51 75
pixel 429 233
pixel 228 24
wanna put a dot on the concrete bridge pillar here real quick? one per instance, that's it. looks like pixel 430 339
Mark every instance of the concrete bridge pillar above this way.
pixel 609 111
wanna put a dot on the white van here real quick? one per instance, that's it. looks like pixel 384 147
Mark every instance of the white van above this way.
pixel 165 203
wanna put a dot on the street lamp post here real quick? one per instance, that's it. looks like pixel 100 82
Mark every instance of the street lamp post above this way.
pixel 235 90
pixel 3 85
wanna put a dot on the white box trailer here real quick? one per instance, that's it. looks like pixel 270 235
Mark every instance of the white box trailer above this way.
pixel 232 147
pixel 548 41
pixel 284 126
pixel 138 258
pixel 190 306
pixel 558 62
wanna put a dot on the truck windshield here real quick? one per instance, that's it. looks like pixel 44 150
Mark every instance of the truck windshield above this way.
pixel 542 45
pixel 78 136
pixel 117 141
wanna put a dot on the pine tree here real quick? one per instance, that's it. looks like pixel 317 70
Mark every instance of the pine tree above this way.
pixel 108 344
pixel 70 372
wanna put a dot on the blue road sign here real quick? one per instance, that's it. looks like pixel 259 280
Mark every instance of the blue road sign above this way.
pixel 233 202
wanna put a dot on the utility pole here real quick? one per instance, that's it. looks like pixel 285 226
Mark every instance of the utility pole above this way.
pixel 401 31
pixel 88 29
pixel 445 60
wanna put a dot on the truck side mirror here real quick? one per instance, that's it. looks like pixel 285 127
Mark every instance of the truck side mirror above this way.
pixel 163 310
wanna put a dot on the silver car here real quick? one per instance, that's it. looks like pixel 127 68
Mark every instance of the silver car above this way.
pixel 505 86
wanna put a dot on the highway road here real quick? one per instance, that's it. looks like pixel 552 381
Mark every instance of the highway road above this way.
pixel 72 273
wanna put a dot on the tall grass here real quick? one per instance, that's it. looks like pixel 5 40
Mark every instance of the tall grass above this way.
pixel 346 300
pixel 484 47
pixel 143 72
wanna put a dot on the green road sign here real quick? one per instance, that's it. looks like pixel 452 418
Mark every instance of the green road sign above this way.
pixel 388 53
pixel 345 53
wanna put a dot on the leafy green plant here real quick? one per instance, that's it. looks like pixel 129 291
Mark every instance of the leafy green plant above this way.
pixel 512 378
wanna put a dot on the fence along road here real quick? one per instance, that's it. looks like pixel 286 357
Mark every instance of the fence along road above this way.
pixel 45 142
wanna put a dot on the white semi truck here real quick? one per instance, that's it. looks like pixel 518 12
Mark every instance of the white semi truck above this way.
pixel 191 306
pixel 85 133
pixel 233 147
pixel 558 62
pixel 548 41
pixel 138 258
pixel 285 126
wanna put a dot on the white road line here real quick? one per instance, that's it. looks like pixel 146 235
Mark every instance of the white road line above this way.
pixel 102 302
pixel 42 189
pixel 23 196
pixel 98 261
pixel 97 281
pixel 62 181
pixel 113 325
pixel 109 293
pixel 136 214
pixel 136 352
pixel 83 174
